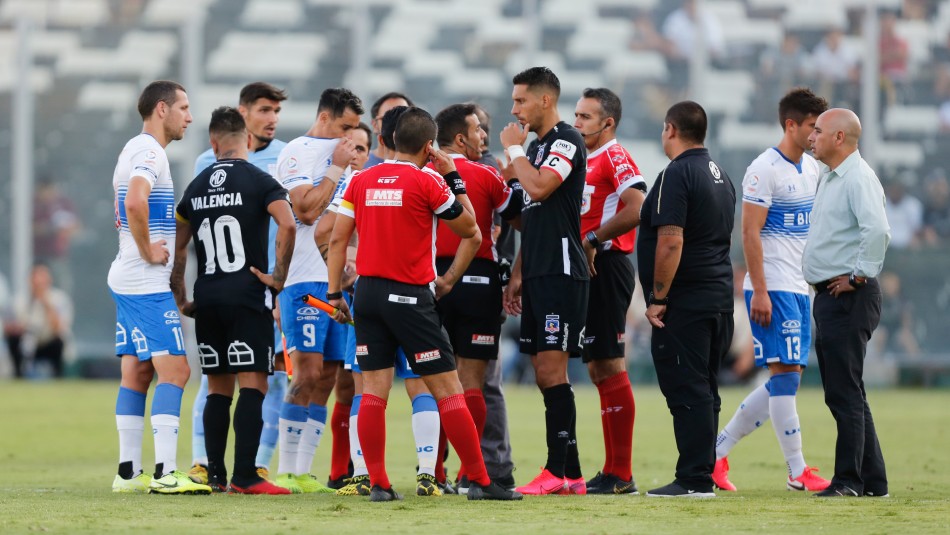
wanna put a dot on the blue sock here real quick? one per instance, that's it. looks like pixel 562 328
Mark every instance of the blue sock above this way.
pixel 130 423
pixel 276 388
pixel 318 413
pixel 293 420
pixel 129 403
pixel 198 453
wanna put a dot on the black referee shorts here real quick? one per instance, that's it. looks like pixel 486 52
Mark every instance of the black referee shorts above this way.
pixel 471 310
pixel 389 315
pixel 234 339
pixel 554 311
pixel 610 293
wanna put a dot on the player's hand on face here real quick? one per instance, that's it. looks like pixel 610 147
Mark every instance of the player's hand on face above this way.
pixel 344 153
pixel 268 279
pixel 342 314
pixel 158 253
pixel 513 134
pixel 760 309
pixel 442 162
pixel 655 315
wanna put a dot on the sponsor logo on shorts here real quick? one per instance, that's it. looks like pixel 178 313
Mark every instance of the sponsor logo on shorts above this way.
pixel 361 350
pixel 172 317
pixel 620 338
pixel 427 356
pixel 307 313
pixel 589 339
pixel 384 197
pixel 483 339
pixel 791 326
pixel 552 323
pixel 551 339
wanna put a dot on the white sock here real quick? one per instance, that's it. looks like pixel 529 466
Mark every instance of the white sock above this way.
pixel 309 441
pixel 425 428
pixel 289 443
pixel 751 414
pixel 785 422
pixel 356 453
pixel 131 430
pixel 165 431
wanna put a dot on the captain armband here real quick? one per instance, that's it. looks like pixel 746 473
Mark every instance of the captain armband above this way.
pixel 451 212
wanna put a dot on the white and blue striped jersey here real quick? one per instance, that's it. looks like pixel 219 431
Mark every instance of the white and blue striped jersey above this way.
pixel 266 160
pixel 304 161
pixel 787 189
pixel 143 156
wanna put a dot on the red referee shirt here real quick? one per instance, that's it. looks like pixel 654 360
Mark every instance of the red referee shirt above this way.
pixel 610 171
pixel 488 193
pixel 394 204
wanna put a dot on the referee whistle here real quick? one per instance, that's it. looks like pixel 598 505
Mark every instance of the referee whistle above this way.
pixel 322 305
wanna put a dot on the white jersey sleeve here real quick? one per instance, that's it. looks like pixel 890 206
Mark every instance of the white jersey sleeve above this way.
pixel 758 183
pixel 340 190
pixel 147 162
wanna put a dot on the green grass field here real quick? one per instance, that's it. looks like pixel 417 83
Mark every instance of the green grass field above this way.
pixel 58 450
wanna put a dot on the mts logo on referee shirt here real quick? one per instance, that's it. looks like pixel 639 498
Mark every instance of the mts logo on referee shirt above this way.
pixel 384 197
pixel 483 339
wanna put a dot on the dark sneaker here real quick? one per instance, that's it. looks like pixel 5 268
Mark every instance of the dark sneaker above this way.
pixel 876 494
pixel 492 491
pixel 447 488
pixel 594 482
pixel 506 481
pixel 675 490
pixel 462 486
pixel 218 483
pixel 379 494
pixel 835 490
pixel 611 484
pixel 338 483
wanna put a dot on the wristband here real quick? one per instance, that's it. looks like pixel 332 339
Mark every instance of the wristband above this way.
pixel 334 295
pixel 656 301
pixel 857 282
pixel 592 239
pixel 334 173
pixel 515 151
pixel 455 182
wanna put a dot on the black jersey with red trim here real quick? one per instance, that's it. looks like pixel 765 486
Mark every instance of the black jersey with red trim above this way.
pixel 226 206
pixel 551 229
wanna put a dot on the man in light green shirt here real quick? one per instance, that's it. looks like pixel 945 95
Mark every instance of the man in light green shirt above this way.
pixel 843 255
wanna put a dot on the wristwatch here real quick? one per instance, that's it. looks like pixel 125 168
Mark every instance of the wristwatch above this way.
pixel 592 239
pixel 334 295
pixel 662 302
pixel 856 281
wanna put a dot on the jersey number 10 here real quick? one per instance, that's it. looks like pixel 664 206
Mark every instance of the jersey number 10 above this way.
pixel 215 244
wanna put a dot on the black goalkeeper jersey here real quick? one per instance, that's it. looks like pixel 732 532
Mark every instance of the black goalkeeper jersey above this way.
pixel 551 229
pixel 226 206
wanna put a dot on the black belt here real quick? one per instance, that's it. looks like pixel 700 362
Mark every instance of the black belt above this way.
pixel 823 285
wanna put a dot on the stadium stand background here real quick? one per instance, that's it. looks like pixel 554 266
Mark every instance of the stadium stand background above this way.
pixel 93 56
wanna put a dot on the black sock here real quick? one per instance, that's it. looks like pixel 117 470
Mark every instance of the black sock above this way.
pixel 247 432
pixel 217 420
pixel 125 470
pixel 558 413
pixel 572 464
pixel 159 470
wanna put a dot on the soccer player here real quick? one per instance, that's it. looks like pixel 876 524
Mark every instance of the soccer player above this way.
pixel 310 167
pixel 471 309
pixel 226 209
pixel 777 193
pixel 148 335
pixel 260 104
pixel 392 206
pixel 552 266
pixel 610 212
pixel 383 104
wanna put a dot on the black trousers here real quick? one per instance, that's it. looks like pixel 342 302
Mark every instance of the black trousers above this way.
pixel 843 328
pixel 687 354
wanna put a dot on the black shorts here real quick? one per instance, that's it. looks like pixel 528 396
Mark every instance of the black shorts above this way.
pixel 471 312
pixel 234 339
pixel 610 293
pixel 554 310
pixel 389 315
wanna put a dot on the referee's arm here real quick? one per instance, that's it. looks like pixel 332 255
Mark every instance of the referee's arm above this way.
pixel 669 249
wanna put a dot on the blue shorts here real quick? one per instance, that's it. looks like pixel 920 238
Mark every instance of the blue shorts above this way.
pixel 278 341
pixel 308 329
pixel 403 371
pixel 788 337
pixel 147 326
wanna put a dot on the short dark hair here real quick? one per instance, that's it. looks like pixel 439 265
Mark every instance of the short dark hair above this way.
pixel 369 134
pixel 798 104
pixel 255 90
pixel 609 102
pixel 538 77
pixel 336 100
pixel 391 95
pixel 159 91
pixel 226 121
pixel 387 128
pixel 414 129
pixel 452 121
pixel 690 121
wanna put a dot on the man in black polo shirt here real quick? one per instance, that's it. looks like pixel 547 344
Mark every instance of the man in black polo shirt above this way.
pixel 683 254
pixel 552 264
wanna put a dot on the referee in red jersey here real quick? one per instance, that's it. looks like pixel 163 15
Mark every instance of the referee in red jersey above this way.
pixel 393 206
